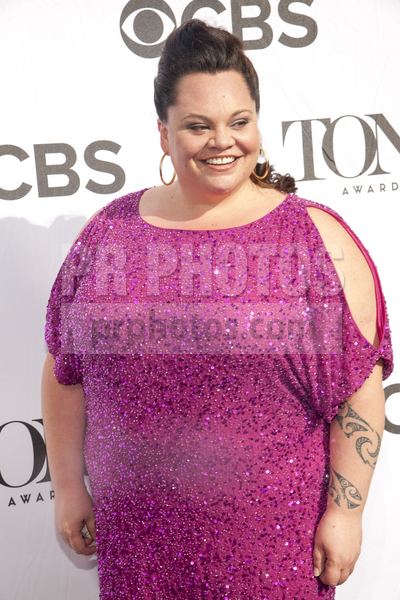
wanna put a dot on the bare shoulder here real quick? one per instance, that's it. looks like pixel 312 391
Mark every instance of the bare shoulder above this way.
pixel 157 196
pixel 340 244
pixel 352 268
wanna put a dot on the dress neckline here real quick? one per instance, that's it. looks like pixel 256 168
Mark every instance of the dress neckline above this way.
pixel 255 223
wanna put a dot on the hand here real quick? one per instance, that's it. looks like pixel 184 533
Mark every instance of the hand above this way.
pixel 337 545
pixel 73 509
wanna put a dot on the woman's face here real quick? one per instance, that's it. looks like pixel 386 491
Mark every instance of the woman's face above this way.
pixel 212 133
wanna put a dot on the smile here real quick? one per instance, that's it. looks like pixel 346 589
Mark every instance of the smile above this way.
pixel 224 160
pixel 221 164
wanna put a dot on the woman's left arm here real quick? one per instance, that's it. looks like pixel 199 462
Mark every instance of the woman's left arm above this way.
pixel 357 429
pixel 355 439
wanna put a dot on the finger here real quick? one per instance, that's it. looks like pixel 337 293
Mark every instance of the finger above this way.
pixel 318 560
pixel 331 573
pixel 77 543
pixel 88 541
pixel 344 575
pixel 73 540
pixel 87 536
pixel 91 525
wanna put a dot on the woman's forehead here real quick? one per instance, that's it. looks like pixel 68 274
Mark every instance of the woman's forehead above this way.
pixel 202 89
pixel 229 78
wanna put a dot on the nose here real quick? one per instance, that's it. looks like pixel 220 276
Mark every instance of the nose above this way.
pixel 221 137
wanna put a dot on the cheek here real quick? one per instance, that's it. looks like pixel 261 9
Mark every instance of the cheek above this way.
pixel 253 143
pixel 186 147
pixel 248 141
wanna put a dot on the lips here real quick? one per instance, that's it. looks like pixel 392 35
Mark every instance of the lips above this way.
pixel 221 166
pixel 218 157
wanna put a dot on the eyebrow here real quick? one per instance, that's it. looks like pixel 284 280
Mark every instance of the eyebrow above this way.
pixel 197 116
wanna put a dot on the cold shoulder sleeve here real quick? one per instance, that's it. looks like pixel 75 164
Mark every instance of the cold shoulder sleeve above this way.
pixel 338 373
pixel 64 291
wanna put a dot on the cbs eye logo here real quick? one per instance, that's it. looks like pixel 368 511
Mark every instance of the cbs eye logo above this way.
pixel 145 24
pixel 150 22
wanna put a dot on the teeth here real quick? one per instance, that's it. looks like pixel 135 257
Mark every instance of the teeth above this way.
pixel 221 161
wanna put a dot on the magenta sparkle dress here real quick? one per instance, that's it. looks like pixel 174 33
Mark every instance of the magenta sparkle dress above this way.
pixel 207 446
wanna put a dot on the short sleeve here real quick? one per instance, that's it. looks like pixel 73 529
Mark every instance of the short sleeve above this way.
pixel 341 373
pixel 337 374
pixel 68 364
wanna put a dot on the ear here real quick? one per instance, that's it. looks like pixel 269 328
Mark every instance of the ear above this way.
pixel 162 128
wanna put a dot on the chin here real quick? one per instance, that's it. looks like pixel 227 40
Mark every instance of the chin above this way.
pixel 223 187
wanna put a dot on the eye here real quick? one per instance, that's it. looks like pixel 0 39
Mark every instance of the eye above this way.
pixel 200 127
pixel 197 127
pixel 240 123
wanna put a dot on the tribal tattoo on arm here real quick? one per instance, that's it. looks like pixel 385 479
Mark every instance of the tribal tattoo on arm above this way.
pixel 341 488
pixel 352 424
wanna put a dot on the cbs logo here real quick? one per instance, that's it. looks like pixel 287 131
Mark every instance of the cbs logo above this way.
pixel 145 24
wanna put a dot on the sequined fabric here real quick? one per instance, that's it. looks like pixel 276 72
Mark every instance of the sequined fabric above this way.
pixel 209 469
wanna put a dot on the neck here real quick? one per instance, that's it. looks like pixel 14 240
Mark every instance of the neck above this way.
pixel 192 199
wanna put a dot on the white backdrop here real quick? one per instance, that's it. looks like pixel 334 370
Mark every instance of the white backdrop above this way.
pixel 78 129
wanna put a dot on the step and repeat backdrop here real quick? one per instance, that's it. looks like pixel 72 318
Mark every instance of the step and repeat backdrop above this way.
pixel 78 129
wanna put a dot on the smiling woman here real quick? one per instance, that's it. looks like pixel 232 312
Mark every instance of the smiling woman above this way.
pixel 199 49
pixel 207 442
pixel 207 98
pixel 214 153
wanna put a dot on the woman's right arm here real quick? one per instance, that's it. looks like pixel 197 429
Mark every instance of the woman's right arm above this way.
pixel 63 410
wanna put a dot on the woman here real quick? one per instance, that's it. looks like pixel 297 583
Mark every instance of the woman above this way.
pixel 230 461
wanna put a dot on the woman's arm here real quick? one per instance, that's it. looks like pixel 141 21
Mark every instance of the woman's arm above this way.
pixel 355 440
pixel 357 429
pixel 64 426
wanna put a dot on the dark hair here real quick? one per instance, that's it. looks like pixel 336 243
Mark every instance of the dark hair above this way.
pixel 196 47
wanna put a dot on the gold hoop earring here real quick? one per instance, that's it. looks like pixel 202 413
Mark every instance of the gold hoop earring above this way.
pixel 161 175
pixel 262 162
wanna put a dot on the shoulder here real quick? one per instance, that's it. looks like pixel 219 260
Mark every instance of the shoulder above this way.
pixel 341 242
pixel 352 263
pixel 335 234
pixel 119 207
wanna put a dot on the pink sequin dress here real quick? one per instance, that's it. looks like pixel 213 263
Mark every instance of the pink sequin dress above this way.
pixel 208 469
